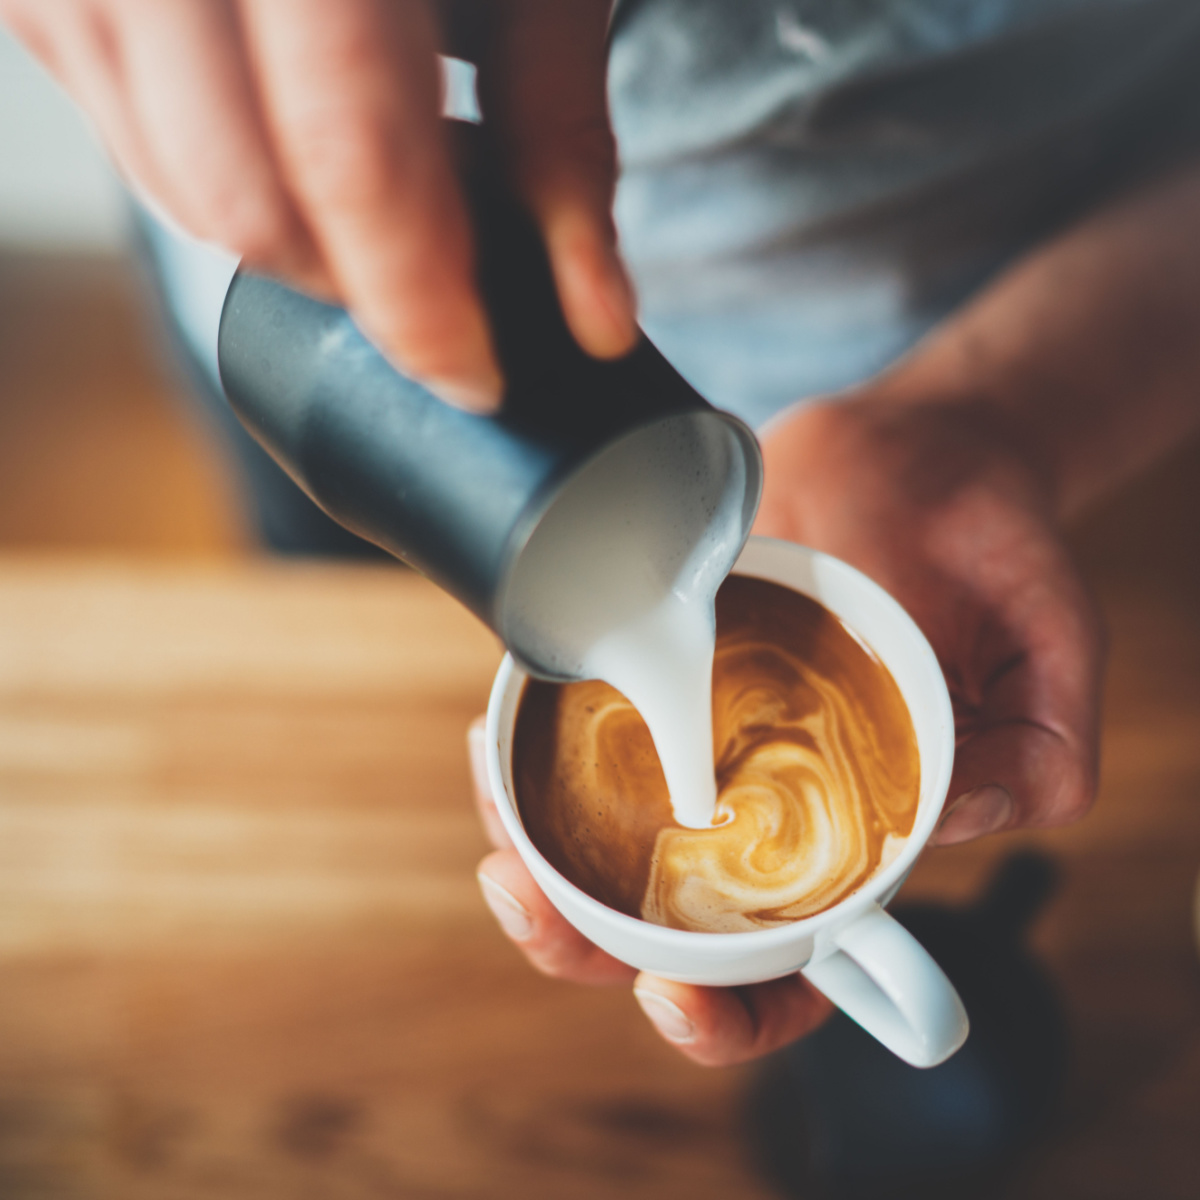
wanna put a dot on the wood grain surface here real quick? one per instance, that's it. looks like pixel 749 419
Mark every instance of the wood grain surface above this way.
pixel 242 952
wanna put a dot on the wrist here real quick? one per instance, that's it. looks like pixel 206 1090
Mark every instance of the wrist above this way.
pixel 1005 423
pixel 932 443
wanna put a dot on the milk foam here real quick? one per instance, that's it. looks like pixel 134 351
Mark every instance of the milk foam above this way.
pixel 618 582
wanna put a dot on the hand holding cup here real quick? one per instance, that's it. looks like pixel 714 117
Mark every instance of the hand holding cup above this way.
pixel 851 950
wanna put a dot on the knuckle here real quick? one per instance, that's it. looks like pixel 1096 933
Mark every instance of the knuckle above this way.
pixel 553 963
pixel 564 955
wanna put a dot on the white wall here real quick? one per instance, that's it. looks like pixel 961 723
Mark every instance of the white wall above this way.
pixel 57 191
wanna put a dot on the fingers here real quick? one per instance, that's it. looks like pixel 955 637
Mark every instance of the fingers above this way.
pixel 548 940
pixel 79 44
pixel 712 1026
pixel 542 84
pixel 188 81
pixel 168 88
pixel 540 931
pixel 351 97
pixel 1029 751
pixel 722 1026
pixel 306 136
pixel 1015 775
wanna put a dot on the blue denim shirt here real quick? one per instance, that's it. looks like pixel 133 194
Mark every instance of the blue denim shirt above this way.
pixel 808 186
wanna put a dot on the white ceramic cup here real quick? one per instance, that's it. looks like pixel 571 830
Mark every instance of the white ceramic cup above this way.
pixel 868 964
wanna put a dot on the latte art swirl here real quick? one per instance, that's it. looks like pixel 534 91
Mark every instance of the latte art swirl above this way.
pixel 807 809
pixel 816 768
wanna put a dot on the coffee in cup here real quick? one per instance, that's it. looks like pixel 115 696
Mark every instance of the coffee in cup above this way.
pixel 868 964
pixel 817 767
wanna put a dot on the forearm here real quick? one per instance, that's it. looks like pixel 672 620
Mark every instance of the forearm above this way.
pixel 1088 349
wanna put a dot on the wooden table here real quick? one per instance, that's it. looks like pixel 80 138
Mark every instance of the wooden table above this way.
pixel 242 953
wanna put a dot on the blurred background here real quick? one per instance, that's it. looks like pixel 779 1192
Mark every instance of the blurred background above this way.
pixel 241 949
pixel 94 421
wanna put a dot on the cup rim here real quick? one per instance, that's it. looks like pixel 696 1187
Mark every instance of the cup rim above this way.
pixel 510 677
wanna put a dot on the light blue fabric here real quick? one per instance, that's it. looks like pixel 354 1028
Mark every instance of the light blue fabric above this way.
pixel 808 186
pixel 194 277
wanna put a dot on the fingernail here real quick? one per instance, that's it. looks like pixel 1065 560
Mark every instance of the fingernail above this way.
pixel 667 1017
pixel 480 398
pixel 512 915
pixel 982 811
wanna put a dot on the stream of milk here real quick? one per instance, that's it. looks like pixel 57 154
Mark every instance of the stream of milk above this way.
pixel 618 583
pixel 662 662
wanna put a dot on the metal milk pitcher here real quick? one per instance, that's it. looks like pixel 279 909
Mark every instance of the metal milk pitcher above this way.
pixel 459 496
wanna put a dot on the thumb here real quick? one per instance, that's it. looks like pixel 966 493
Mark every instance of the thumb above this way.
pixel 1015 774
pixel 1028 749
pixel 543 86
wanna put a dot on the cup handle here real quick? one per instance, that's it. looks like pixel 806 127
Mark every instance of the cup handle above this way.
pixel 883 978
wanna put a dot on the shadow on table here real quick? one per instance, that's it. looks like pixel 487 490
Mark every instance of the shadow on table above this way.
pixel 837 1115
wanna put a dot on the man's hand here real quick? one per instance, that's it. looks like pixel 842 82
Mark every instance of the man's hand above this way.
pixel 938 505
pixel 306 137
pixel 943 480
pixel 942 505
pixel 712 1026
